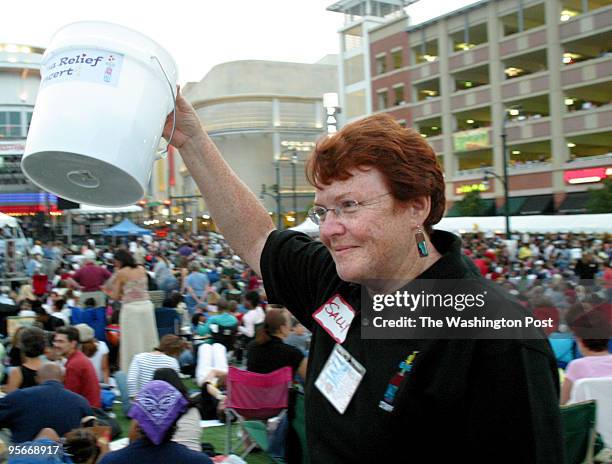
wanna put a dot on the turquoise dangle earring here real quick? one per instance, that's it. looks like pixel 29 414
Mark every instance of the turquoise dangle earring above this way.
pixel 421 243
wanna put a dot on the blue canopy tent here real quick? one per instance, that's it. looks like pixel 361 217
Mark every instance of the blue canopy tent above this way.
pixel 125 228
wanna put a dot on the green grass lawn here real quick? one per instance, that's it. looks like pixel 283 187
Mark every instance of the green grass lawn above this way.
pixel 214 435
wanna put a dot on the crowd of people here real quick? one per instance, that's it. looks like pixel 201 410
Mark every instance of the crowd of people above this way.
pixel 220 307
pixel 563 276
pixel 379 194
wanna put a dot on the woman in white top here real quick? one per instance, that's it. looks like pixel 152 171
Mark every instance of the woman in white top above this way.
pixel 254 316
pixel 144 365
pixel 188 430
pixel 95 350
pixel 60 311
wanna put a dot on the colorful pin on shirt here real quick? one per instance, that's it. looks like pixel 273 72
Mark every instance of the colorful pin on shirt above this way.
pixel 405 367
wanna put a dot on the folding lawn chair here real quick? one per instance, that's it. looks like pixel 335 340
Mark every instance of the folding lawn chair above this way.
pixel 578 421
pixel 252 396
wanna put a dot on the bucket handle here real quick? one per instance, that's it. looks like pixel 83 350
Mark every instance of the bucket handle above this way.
pixel 163 153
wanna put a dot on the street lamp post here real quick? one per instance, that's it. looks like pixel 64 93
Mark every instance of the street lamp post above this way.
pixel 279 222
pixel 294 161
pixel 504 182
pixel 505 172
pixel 513 111
pixel 276 196
pixel 504 179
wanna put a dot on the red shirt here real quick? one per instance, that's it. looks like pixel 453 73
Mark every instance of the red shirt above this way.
pixel 491 255
pixel 607 278
pixel 253 283
pixel 91 277
pixel 81 378
pixel 39 284
pixel 482 266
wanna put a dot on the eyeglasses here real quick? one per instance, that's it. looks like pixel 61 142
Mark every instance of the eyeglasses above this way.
pixel 346 208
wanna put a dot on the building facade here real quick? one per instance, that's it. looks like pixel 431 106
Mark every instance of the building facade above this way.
pixel 19 81
pixel 355 65
pixel 265 118
pixel 538 71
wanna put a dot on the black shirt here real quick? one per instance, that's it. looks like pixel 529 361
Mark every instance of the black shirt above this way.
pixel 29 377
pixel 465 400
pixel 52 323
pixel 14 355
pixel 273 355
pixel 586 270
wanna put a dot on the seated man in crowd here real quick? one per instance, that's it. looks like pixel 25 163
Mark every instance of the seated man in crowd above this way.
pixel 211 360
pixel 91 278
pixel 25 412
pixel 216 323
pixel 81 375
pixel 46 322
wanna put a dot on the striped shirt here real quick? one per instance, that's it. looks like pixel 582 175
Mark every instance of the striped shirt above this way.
pixel 143 368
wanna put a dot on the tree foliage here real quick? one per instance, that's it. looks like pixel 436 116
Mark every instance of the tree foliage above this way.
pixel 600 200
pixel 472 205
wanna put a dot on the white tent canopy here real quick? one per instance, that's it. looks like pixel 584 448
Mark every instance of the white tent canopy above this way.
pixel 308 227
pixel 587 223
pixel 6 220
pixel 89 209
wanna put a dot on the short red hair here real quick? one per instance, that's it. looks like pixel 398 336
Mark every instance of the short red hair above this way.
pixel 406 161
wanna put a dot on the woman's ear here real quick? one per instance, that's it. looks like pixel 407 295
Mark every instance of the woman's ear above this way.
pixel 418 210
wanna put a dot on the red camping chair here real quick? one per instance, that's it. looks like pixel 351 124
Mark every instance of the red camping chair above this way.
pixel 255 396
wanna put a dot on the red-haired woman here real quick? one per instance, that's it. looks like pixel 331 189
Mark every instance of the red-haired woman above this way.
pixel 379 190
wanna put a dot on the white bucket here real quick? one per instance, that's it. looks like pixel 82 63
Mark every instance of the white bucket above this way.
pixel 99 114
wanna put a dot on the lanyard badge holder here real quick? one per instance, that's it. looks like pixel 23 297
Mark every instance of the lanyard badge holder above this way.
pixel 340 377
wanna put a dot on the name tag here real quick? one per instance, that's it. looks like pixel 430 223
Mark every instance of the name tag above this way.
pixel 335 316
pixel 340 378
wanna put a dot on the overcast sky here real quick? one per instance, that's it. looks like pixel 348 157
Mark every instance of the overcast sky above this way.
pixel 202 33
